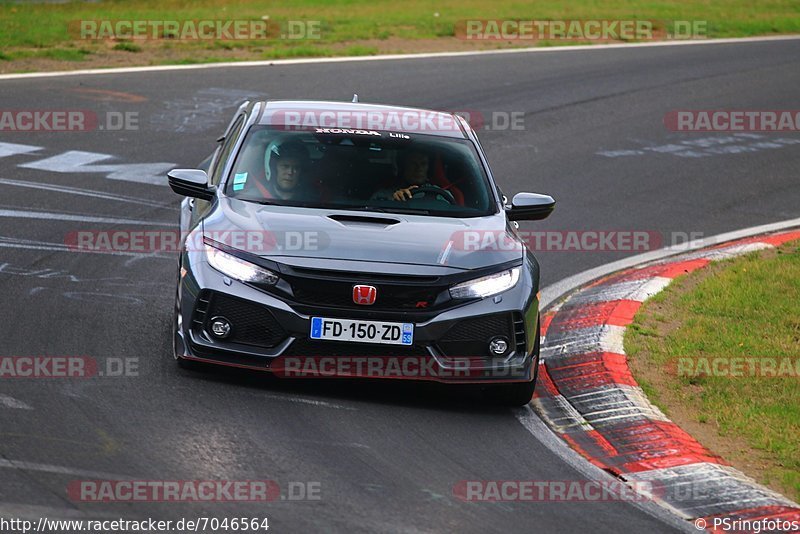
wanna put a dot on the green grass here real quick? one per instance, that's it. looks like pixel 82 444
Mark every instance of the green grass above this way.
pixel 127 46
pixel 751 309
pixel 344 22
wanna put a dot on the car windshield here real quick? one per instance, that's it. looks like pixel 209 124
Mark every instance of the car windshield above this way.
pixel 362 170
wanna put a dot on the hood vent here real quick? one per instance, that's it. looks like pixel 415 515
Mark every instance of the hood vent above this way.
pixel 363 220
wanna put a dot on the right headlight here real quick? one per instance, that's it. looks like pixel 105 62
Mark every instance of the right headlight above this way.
pixel 237 268
pixel 486 286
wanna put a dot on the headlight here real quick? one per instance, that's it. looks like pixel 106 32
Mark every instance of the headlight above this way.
pixel 237 268
pixel 486 286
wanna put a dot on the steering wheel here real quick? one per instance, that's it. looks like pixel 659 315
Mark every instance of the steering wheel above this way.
pixel 433 192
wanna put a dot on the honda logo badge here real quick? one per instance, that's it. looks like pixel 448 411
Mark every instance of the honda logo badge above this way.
pixel 364 295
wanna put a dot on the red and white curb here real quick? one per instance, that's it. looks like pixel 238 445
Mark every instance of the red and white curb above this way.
pixel 587 395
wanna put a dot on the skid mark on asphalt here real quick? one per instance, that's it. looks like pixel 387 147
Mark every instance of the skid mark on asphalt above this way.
pixel 105 95
pixel 206 109
pixel 310 402
pixel 53 274
pixel 98 297
pixel 15 404
pixel 352 444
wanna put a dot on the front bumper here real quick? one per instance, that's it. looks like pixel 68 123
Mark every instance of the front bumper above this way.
pixel 271 333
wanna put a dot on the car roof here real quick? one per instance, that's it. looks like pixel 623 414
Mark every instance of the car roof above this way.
pixel 355 115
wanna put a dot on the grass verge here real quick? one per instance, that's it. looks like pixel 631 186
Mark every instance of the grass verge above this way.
pixel 346 27
pixel 683 347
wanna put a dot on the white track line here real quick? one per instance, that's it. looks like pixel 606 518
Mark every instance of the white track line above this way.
pixel 389 57
pixel 84 192
pixel 46 215
pixel 11 402
pixel 30 512
pixel 29 244
pixel 59 470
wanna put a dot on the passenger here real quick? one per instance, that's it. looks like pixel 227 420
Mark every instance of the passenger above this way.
pixel 285 168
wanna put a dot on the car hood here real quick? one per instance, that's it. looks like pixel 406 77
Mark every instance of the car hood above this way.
pixel 307 236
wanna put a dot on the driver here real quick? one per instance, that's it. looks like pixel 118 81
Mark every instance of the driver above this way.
pixel 415 170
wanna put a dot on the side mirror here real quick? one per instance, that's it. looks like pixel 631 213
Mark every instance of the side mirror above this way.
pixel 530 207
pixel 191 183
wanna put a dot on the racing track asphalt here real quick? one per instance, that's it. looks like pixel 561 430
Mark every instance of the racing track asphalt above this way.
pixel 386 455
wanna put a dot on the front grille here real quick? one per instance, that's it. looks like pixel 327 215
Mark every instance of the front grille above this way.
pixel 394 293
pixel 388 297
pixel 251 323
pixel 470 338
pixel 311 349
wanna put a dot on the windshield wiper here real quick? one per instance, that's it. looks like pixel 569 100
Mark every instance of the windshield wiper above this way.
pixel 263 202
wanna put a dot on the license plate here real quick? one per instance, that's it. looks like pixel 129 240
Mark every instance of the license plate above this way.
pixel 362 331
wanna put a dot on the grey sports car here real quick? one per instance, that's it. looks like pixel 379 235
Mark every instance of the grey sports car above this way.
pixel 339 239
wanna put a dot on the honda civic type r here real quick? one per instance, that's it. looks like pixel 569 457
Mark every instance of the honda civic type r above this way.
pixel 355 240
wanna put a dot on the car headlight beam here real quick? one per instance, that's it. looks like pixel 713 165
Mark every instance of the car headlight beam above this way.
pixel 241 270
pixel 486 286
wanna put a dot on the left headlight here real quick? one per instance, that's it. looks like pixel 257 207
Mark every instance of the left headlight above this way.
pixel 239 269
pixel 486 286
